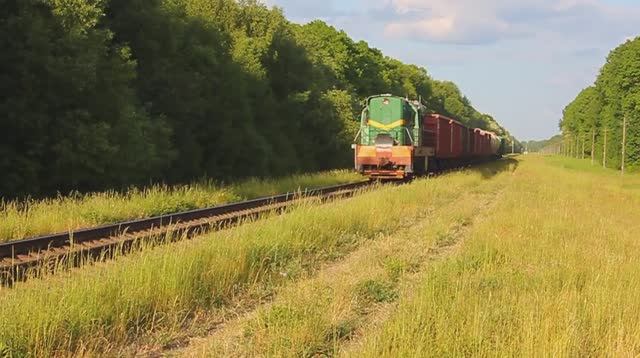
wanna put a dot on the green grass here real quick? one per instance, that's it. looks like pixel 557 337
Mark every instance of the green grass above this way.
pixel 157 293
pixel 33 217
pixel 544 263
pixel 585 165
pixel 552 271
pixel 612 179
pixel 320 315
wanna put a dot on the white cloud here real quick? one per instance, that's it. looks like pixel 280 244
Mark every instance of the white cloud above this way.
pixel 476 22
pixel 451 27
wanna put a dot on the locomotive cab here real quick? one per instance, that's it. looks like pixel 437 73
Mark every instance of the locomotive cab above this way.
pixel 389 131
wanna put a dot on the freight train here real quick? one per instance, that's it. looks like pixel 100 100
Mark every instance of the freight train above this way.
pixel 399 139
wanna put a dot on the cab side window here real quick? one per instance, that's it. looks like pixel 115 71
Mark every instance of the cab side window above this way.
pixel 408 115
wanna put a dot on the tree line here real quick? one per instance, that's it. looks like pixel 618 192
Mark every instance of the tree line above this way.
pixel 98 94
pixel 540 146
pixel 603 122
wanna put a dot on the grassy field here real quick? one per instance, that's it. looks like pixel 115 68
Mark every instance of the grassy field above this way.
pixel 530 256
pixel 33 217
pixel 544 266
pixel 552 271
pixel 155 297
pixel 321 315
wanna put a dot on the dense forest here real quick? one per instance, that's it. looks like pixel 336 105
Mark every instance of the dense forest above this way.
pixel 99 94
pixel 593 124
pixel 545 145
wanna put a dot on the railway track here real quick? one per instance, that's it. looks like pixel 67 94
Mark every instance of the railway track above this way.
pixel 37 256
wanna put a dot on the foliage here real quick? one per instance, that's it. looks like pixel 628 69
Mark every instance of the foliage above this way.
pixel 534 146
pixel 70 119
pixel 105 94
pixel 599 110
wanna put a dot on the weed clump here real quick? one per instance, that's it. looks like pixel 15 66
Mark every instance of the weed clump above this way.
pixel 377 291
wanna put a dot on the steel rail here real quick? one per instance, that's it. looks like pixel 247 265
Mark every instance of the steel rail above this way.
pixel 19 258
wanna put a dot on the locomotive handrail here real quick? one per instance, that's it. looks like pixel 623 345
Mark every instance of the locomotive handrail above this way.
pixel 410 138
pixel 355 140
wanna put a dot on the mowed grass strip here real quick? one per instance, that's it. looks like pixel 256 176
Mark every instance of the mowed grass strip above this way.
pixel 158 292
pixel 553 271
pixel 322 315
pixel 20 219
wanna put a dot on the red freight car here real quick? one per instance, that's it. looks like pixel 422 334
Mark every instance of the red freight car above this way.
pixel 447 136
pixel 487 143
pixel 454 144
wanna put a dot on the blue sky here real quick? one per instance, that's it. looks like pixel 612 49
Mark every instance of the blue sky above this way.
pixel 521 61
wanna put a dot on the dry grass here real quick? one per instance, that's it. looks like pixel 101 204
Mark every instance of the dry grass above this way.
pixel 553 271
pixel 157 293
pixel 65 213
pixel 321 315
pixel 549 269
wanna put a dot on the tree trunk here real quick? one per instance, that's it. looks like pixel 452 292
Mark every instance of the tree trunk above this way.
pixel 604 150
pixel 593 146
pixel 624 141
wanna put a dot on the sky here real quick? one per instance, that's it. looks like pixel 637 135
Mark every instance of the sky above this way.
pixel 522 61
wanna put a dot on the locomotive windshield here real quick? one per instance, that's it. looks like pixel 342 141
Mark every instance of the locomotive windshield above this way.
pixel 388 117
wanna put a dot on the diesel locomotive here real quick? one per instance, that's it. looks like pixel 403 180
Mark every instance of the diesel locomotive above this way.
pixel 399 138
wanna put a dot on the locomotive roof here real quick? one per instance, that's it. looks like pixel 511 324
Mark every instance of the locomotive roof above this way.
pixel 479 130
pixel 436 115
pixel 485 132
pixel 447 118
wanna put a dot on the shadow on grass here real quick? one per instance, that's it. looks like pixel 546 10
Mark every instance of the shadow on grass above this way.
pixel 490 169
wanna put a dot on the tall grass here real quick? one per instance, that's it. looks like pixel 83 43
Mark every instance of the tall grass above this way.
pixel 64 213
pixel 319 316
pixel 101 308
pixel 553 271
